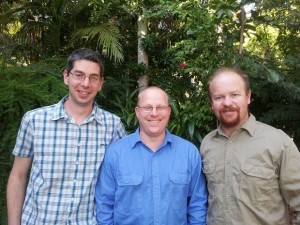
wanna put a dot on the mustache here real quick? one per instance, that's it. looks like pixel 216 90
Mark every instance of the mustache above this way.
pixel 229 108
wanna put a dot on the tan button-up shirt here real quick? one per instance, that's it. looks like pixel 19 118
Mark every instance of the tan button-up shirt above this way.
pixel 251 176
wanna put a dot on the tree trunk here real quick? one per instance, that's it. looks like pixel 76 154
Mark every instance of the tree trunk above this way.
pixel 143 81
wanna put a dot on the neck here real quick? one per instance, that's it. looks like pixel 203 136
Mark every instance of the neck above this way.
pixel 153 142
pixel 77 112
pixel 229 130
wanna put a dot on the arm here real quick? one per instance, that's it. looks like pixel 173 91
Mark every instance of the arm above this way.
pixel 290 179
pixel 197 206
pixel 105 193
pixel 119 132
pixel 16 189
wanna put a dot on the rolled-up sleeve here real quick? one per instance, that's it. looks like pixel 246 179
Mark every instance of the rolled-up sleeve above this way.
pixel 290 178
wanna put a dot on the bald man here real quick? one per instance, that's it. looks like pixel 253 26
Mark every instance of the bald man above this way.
pixel 151 176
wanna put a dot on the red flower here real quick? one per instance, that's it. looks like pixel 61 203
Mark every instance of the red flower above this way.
pixel 182 65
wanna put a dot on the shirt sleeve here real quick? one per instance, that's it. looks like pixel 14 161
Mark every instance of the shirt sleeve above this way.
pixel 105 192
pixel 197 205
pixel 24 142
pixel 119 131
pixel 290 178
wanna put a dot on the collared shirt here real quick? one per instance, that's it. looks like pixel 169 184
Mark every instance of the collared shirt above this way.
pixel 137 186
pixel 66 162
pixel 251 176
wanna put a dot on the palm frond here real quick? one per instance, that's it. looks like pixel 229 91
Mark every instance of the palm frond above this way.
pixel 107 36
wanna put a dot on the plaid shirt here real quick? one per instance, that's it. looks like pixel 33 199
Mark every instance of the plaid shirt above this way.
pixel 66 162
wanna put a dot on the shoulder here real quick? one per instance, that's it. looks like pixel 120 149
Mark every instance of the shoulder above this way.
pixel 106 115
pixel 272 132
pixel 119 149
pixel 182 143
pixel 210 136
pixel 121 144
pixel 45 111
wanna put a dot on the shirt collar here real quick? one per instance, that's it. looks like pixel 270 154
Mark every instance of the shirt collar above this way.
pixel 60 113
pixel 135 138
pixel 249 126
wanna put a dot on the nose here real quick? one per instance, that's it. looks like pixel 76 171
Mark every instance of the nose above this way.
pixel 154 111
pixel 227 101
pixel 86 82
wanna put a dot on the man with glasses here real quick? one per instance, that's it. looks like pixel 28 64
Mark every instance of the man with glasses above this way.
pixel 63 146
pixel 151 176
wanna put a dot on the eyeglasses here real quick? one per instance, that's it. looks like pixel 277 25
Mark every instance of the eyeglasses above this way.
pixel 82 76
pixel 149 108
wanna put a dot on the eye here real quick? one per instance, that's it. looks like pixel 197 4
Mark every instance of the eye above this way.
pixel 161 108
pixel 235 94
pixel 148 108
pixel 94 78
pixel 218 98
pixel 79 75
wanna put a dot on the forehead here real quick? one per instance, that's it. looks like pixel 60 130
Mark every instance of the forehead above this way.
pixel 227 81
pixel 153 95
pixel 86 66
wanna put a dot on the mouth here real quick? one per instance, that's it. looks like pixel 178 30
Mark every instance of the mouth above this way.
pixel 154 121
pixel 229 110
pixel 83 93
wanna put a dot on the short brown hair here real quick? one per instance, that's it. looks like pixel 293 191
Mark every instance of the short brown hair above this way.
pixel 237 71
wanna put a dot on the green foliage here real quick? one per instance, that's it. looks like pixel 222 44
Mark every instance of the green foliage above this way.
pixel 44 29
pixel 23 88
pixel 190 120
pixel 186 41
pixel 120 97
pixel 107 35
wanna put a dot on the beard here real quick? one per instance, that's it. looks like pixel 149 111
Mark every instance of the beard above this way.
pixel 229 116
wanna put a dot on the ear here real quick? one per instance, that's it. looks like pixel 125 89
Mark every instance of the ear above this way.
pixel 170 110
pixel 137 112
pixel 66 77
pixel 101 84
pixel 249 97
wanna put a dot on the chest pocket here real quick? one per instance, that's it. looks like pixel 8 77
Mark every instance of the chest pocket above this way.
pixel 180 187
pixel 209 170
pixel 258 183
pixel 129 192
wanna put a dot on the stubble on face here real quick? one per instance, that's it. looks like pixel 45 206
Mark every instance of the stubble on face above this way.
pixel 231 120
pixel 229 100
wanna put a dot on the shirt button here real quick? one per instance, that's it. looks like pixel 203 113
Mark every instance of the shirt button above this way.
pixel 74 180
pixel 77 162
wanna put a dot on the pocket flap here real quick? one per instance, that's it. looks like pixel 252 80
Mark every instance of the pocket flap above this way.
pixel 178 178
pixel 207 169
pixel 124 180
pixel 258 171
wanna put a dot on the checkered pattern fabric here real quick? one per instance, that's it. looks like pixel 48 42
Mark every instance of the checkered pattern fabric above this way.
pixel 66 162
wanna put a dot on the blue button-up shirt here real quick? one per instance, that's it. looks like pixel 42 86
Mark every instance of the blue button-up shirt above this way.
pixel 137 186
pixel 66 162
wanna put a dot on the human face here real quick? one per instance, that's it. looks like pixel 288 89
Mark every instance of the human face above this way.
pixel 153 123
pixel 229 100
pixel 83 93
